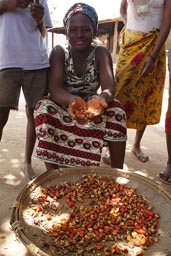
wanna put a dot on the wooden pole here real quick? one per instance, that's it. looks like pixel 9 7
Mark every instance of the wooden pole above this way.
pixel 115 41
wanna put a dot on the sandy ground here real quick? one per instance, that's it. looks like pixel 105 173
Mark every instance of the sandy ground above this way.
pixel 12 179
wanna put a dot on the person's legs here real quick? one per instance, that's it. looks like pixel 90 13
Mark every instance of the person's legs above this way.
pixel 9 94
pixel 4 114
pixel 30 142
pixel 117 153
pixel 34 85
pixel 136 149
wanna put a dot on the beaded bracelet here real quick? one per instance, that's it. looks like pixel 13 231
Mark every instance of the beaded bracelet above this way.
pixel 153 59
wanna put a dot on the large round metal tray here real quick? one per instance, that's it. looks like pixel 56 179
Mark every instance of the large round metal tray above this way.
pixel 155 194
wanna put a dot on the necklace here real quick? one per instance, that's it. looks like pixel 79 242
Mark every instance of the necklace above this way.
pixel 141 9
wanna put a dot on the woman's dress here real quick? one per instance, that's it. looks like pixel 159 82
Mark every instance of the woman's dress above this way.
pixel 140 96
pixel 67 142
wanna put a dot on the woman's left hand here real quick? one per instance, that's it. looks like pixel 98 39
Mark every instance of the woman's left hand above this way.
pixel 95 107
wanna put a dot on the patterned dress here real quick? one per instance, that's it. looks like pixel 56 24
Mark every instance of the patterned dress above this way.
pixel 67 142
pixel 141 97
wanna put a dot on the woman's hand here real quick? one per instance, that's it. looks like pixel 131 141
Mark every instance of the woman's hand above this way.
pixel 147 67
pixel 96 107
pixel 78 109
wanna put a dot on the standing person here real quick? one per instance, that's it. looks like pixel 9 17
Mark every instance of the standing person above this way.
pixel 23 63
pixel 165 175
pixel 140 67
pixel 74 122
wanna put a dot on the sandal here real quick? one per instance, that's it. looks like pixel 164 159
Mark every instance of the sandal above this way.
pixel 106 159
pixel 165 176
pixel 141 156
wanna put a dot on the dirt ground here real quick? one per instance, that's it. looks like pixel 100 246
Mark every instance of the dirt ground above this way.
pixel 12 179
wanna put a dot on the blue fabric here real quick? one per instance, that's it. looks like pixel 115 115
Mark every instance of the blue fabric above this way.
pixel 81 8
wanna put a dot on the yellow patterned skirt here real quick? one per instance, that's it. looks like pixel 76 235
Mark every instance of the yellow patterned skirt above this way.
pixel 141 97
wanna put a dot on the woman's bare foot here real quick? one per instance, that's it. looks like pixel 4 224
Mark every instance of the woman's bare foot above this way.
pixel 140 155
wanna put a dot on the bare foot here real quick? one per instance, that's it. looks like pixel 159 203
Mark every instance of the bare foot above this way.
pixel 28 171
pixel 140 155
pixel 165 175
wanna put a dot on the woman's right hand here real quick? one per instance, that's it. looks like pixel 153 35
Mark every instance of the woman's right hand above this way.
pixel 147 67
pixel 78 109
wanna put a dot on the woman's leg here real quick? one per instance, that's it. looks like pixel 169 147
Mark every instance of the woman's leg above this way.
pixel 117 153
pixel 30 142
pixel 136 149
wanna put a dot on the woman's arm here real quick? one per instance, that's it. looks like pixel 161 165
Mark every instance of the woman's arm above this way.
pixel 162 37
pixel 164 29
pixel 123 10
pixel 56 78
pixel 105 68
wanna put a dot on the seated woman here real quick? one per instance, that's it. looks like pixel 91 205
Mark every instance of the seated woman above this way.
pixel 75 121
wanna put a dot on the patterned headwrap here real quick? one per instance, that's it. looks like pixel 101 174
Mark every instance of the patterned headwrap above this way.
pixel 81 8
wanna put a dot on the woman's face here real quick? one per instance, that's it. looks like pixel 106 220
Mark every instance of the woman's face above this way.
pixel 79 32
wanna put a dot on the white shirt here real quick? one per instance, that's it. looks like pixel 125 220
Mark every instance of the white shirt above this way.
pixel 21 43
pixel 149 18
